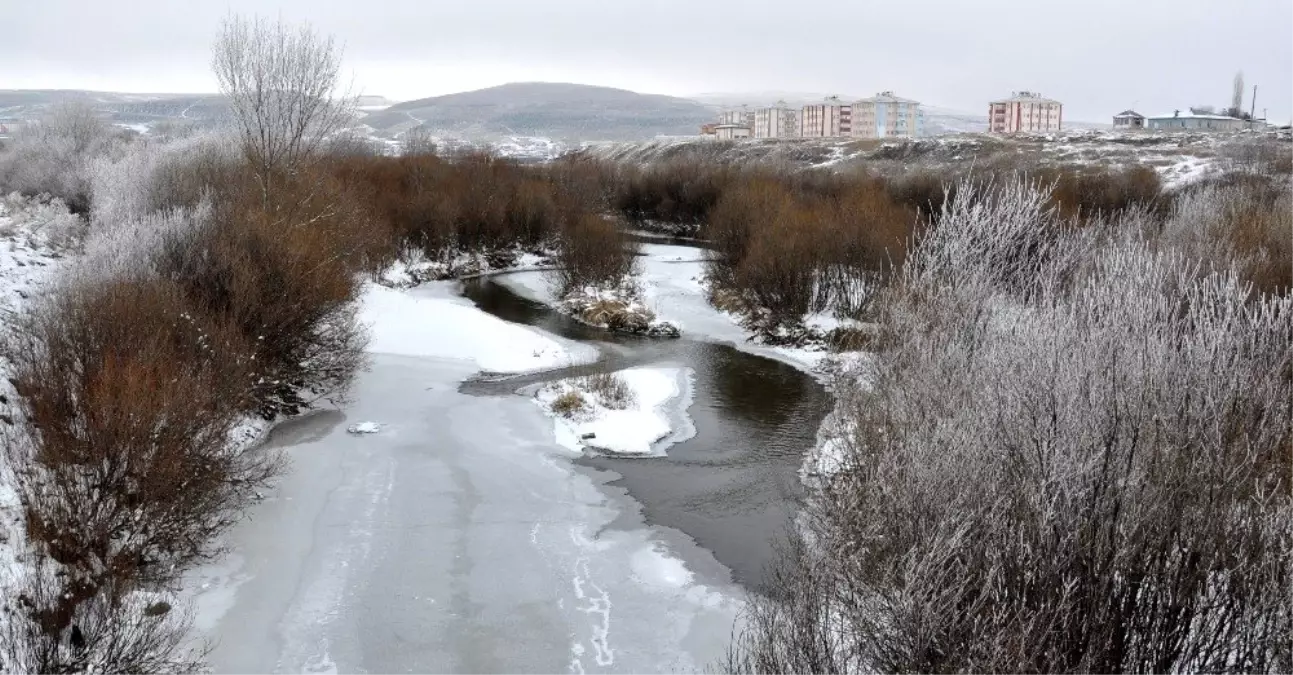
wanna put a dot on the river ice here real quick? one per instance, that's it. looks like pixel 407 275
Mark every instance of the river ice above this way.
pixel 458 537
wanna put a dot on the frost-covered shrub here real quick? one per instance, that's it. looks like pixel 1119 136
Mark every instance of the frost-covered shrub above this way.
pixel 154 176
pixel 54 156
pixel 43 222
pixel 1071 454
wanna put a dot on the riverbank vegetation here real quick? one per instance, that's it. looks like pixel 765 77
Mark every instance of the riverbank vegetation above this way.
pixel 213 287
pixel 790 244
pixel 1069 451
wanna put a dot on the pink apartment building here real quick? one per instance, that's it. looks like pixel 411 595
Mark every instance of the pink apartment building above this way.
pixel 1024 111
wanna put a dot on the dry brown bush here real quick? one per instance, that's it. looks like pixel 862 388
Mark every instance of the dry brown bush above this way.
pixel 476 203
pixel 681 191
pixel 1256 220
pixel 568 404
pixel 594 252
pixel 121 455
pixel 1105 191
pixel 610 389
pixel 180 181
pixel 811 245
pixel 286 274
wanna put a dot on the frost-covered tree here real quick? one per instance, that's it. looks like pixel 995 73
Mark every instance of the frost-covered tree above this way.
pixel 282 82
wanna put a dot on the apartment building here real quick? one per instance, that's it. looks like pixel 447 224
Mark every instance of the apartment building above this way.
pixel 779 121
pixel 1024 111
pixel 741 117
pixel 887 116
pixel 826 120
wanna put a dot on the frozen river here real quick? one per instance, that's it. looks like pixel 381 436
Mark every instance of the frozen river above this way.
pixel 462 538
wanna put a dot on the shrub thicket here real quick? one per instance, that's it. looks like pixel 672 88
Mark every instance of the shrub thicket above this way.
pixel 1071 453
pixel 477 203
pixel 286 274
pixel 54 155
pixel 594 252
pixel 122 457
pixel 806 251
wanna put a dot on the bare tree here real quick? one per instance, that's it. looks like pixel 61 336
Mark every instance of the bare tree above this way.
pixel 282 82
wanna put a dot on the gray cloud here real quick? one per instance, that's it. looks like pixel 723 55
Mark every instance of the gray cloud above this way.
pixel 1097 56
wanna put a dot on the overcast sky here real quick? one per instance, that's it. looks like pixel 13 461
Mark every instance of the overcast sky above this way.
pixel 1096 56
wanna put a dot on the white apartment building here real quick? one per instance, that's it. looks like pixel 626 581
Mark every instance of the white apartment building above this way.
pixel 742 117
pixel 779 121
pixel 1024 111
pixel 886 116
pixel 826 120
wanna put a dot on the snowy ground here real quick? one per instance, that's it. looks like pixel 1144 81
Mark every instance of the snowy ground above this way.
pixel 35 240
pixel 454 534
pixel 633 427
pixel 419 269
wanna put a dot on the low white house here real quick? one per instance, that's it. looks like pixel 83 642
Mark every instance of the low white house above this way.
pixel 727 132
pixel 1128 119
pixel 1195 121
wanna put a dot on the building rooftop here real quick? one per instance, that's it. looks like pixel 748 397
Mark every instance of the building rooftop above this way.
pixel 1129 113
pixel 1191 116
pixel 1028 96
pixel 886 97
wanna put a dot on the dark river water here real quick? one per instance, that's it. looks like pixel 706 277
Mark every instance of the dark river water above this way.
pixel 734 487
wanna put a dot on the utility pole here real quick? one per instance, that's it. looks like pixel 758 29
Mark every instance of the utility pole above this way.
pixel 1254 108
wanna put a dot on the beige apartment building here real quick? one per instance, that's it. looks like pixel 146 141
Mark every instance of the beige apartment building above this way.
pixel 887 116
pixel 1025 111
pixel 826 120
pixel 779 121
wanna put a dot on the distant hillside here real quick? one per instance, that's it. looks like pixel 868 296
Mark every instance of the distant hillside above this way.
pixel 565 112
pixel 126 109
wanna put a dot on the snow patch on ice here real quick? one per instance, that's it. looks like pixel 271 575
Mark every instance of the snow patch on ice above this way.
pixel 364 428
pixel 633 429
pixel 430 322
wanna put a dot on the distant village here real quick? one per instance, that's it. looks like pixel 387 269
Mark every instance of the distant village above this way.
pixel 886 115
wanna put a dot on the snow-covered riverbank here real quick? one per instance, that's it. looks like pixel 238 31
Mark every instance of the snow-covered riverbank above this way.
pixel 671 283
pixel 36 240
